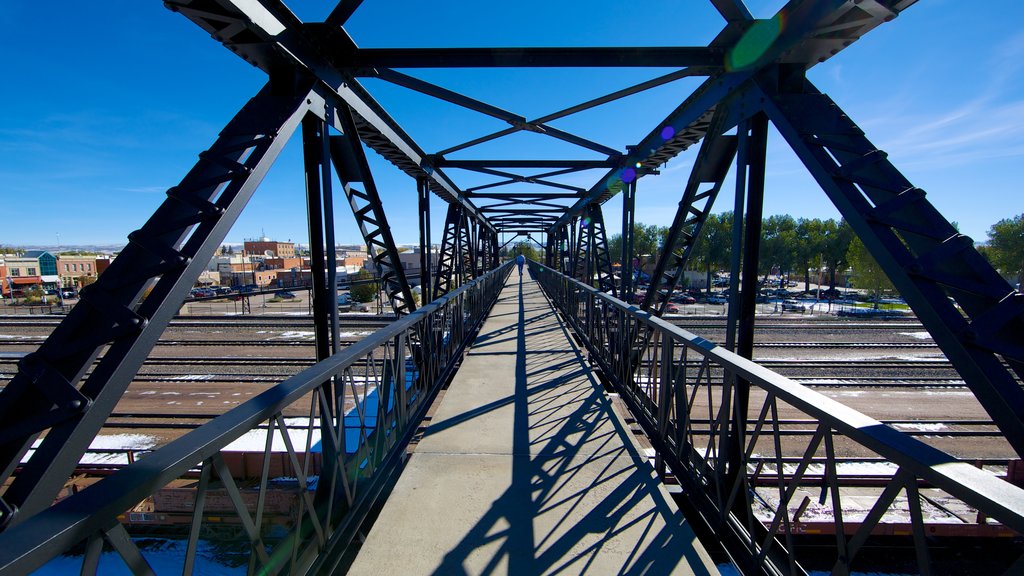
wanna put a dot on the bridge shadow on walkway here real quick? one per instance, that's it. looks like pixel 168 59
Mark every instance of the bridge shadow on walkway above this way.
pixel 525 470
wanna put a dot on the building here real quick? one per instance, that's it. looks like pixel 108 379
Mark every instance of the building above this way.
pixel 72 269
pixel 284 263
pixel 102 263
pixel 410 263
pixel 269 248
pixel 33 268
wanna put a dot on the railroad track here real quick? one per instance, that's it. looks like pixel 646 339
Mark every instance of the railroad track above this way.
pixel 248 321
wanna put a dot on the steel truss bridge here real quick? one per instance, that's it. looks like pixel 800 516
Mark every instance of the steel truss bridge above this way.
pixel 64 392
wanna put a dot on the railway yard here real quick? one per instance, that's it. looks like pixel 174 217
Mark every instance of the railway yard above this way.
pixel 888 369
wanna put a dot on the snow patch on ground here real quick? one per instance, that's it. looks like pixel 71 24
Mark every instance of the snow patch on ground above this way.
pixel 256 440
pixel 117 444
pixel 847 393
pixel 294 334
pixel 918 335
pixel 921 426
pixel 191 377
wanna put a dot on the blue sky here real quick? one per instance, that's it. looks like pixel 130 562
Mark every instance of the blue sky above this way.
pixel 108 104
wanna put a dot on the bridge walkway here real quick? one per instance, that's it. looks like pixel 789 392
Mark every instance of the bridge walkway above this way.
pixel 524 469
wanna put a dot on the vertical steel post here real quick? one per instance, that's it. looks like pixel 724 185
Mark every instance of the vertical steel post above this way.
pixel 752 233
pixel 742 162
pixel 425 263
pixel 332 249
pixel 752 154
pixel 628 218
pixel 312 133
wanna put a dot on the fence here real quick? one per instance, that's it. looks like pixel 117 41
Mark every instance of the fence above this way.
pixel 349 419
pixel 724 428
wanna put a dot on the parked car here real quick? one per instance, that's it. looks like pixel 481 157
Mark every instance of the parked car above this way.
pixel 203 293
pixel 793 306
pixel 684 299
pixel 716 299
pixel 285 295
pixel 221 290
pixel 671 309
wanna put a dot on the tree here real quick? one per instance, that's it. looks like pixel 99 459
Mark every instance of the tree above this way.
pixel 84 281
pixel 647 240
pixel 867 274
pixel 778 244
pixel 836 240
pixel 1006 246
pixel 33 295
pixel 527 249
pixel 713 249
pixel 809 249
pixel 363 288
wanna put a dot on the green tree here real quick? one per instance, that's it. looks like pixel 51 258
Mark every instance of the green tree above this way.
pixel 836 240
pixel 713 249
pixel 1006 246
pixel 778 244
pixel 527 249
pixel 867 274
pixel 647 239
pixel 363 290
pixel 809 248
pixel 33 295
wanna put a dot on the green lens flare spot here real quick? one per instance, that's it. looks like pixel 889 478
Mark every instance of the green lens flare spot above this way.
pixel 754 43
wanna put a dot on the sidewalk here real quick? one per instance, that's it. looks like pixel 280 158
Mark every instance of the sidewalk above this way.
pixel 525 470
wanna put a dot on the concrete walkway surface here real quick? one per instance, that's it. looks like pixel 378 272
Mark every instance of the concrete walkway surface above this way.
pixel 525 470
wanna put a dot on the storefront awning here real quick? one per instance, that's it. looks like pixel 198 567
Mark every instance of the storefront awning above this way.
pixel 24 280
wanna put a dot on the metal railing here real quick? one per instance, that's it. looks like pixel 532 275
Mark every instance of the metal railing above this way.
pixel 721 425
pixel 341 428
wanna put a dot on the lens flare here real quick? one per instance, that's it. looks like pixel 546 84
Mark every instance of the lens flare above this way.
pixel 667 133
pixel 628 175
pixel 585 222
pixel 754 43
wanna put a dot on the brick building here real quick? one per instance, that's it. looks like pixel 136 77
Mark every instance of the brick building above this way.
pixel 72 268
pixel 269 248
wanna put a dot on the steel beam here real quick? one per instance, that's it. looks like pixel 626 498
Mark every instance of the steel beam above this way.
pixel 924 255
pixel 320 212
pixel 814 31
pixel 351 165
pixel 653 83
pixel 627 285
pixel 254 32
pixel 583 57
pixel 167 255
pixel 600 256
pixel 426 262
pixel 540 163
pixel 709 171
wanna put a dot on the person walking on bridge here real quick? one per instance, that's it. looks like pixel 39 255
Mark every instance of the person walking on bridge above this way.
pixel 520 260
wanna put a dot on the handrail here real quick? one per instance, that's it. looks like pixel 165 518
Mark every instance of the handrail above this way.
pixel 405 363
pixel 662 387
